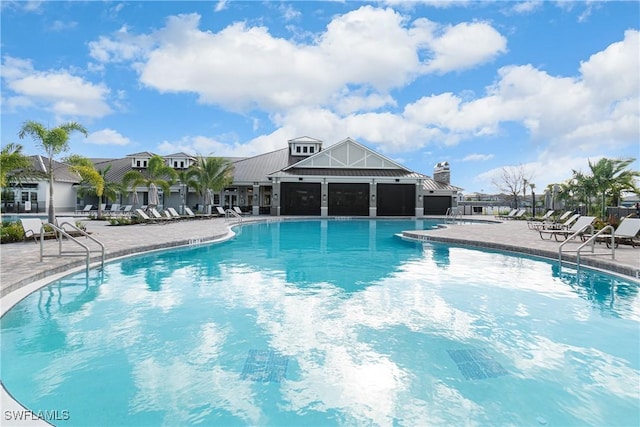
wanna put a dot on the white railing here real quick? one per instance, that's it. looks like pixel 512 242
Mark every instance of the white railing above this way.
pixel 230 213
pixel 453 215
pixel 60 233
pixel 590 242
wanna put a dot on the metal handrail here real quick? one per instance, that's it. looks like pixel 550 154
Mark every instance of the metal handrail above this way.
pixel 230 213
pixel 452 214
pixel 573 236
pixel 593 239
pixel 61 232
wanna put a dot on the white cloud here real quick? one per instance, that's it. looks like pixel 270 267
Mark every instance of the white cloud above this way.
pixel 368 50
pixel 464 46
pixel 107 137
pixel 58 91
pixel 476 157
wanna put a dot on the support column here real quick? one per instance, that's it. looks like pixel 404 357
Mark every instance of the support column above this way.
pixel 373 206
pixel 324 199
pixel 255 208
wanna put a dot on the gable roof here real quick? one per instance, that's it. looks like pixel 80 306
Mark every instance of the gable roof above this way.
pixel 348 154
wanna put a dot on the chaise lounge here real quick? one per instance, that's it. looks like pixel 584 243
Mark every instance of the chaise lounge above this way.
pixel 579 226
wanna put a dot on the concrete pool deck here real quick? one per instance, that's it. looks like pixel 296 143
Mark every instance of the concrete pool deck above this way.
pixel 20 262
pixel 21 271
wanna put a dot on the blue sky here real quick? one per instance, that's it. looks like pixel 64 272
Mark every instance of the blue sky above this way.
pixel 546 86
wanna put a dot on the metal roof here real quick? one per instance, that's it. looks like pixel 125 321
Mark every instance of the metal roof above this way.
pixel 257 168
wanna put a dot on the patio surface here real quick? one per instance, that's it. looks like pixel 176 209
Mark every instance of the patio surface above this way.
pixel 20 262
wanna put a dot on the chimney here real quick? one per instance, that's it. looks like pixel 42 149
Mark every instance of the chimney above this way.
pixel 442 173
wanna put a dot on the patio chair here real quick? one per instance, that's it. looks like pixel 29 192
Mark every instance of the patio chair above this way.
pixel 237 210
pixel 158 216
pixel 141 215
pixel 626 232
pixel 579 226
pixel 220 211
pixel 553 225
pixel 535 223
pixel 87 209
pixel 509 215
pixel 32 228
pixel 174 213
pixel 68 224
pixel 190 213
pixel 519 214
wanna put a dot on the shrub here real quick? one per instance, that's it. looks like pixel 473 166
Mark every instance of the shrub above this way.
pixel 11 232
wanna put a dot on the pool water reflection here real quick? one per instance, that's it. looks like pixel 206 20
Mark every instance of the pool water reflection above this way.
pixel 329 323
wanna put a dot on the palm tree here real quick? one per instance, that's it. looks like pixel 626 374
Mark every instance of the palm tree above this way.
pixel 13 164
pixel 212 173
pixel 157 172
pixel 94 181
pixel 611 177
pixel 53 142
pixel 187 179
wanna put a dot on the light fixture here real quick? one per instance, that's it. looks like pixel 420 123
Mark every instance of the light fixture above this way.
pixel 373 197
pixel 275 196
pixel 324 197
pixel 419 196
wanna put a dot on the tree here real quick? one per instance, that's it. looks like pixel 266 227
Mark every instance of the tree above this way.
pixel 212 173
pixel 157 172
pixel 513 181
pixel 94 181
pixel 53 142
pixel 611 177
pixel 187 179
pixel 13 164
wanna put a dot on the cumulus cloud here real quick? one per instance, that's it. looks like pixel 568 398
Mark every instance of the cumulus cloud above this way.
pixel 107 137
pixel 464 46
pixel 342 83
pixel 58 91
pixel 369 50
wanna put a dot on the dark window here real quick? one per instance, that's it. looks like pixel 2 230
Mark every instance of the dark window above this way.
pixel 396 200
pixel 300 198
pixel 348 199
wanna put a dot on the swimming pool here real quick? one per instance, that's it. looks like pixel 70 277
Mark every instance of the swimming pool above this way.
pixel 328 323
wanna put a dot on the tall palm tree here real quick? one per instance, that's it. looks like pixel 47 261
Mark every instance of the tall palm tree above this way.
pixel 157 172
pixel 13 164
pixel 212 173
pixel 94 181
pixel 53 142
pixel 611 177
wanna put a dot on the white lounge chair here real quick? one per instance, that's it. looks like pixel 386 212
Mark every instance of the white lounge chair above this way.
pixel 174 213
pixel 220 211
pixel 189 212
pixel 535 223
pixel 579 226
pixel 237 210
pixel 559 225
pixel 68 224
pixel 33 228
pixel 86 209
pixel 626 232
pixel 509 215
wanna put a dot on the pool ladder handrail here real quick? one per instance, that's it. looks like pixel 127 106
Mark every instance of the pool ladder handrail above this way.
pixel 590 241
pixel 231 213
pixel 453 214
pixel 60 233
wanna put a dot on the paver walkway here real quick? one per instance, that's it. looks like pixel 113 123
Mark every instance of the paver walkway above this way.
pixel 20 262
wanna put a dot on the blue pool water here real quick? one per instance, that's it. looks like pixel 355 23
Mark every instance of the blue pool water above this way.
pixel 322 323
